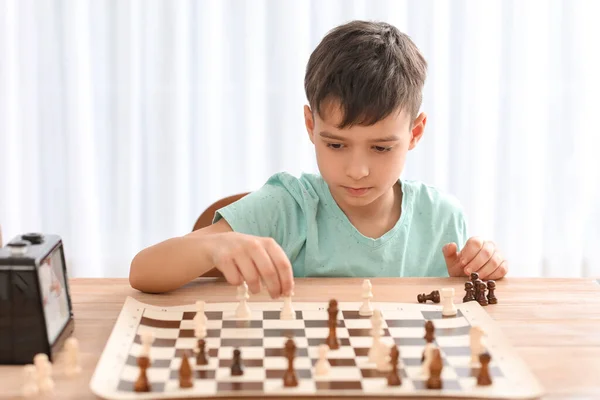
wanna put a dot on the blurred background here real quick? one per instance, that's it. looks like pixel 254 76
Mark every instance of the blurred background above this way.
pixel 122 120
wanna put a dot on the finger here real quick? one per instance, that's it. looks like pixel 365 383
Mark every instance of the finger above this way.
pixel 248 270
pixel 491 266
pixel 471 249
pixel 500 272
pixel 231 272
pixel 452 258
pixel 483 256
pixel 283 266
pixel 267 271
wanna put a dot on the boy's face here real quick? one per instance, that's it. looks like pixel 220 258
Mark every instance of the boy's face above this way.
pixel 361 163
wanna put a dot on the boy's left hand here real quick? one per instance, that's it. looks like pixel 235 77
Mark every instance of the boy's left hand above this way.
pixel 479 256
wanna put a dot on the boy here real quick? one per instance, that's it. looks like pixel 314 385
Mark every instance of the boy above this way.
pixel 357 218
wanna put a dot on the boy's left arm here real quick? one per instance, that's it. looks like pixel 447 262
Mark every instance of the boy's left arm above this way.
pixel 478 255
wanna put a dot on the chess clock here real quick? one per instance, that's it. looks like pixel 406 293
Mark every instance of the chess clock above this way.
pixel 35 306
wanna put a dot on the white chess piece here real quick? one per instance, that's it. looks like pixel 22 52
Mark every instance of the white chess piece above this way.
pixel 322 366
pixel 147 338
pixel 287 311
pixel 200 331
pixel 382 362
pixel 200 321
pixel 30 385
pixel 366 309
pixel 44 373
pixel 243 310
pixel 376 322
pixel 427 359
pixel 476 344
pixel 449 309
pixel 72 357
pixel 200 315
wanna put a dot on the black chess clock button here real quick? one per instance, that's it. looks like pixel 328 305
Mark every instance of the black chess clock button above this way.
pixel 34 238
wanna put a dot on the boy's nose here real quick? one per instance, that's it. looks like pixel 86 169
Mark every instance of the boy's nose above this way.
pixel 357 170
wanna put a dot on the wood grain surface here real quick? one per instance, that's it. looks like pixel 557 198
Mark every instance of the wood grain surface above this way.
pixel 553 323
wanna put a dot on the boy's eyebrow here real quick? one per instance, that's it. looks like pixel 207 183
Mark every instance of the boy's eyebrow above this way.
pixel 391 138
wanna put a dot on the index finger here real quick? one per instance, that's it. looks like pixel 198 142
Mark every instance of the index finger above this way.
pixel 282 266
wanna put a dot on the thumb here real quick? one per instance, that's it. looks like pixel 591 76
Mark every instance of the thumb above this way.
pixel 452 258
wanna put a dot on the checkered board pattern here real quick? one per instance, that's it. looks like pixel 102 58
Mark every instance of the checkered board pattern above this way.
pixel 261 341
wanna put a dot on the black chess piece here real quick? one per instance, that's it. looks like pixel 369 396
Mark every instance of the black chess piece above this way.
pixel 477 286
pixel 470 292
pixel 429 336
pixel 236 364
pixel 484 378
pixel 201 357
pixel 474 277
pixel 481 299
pixel 393 377
pixel 491 296
pixel 433 296
pixel 332 339
pixel 290 379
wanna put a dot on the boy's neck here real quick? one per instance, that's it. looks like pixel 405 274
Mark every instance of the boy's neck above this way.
pixel 378 217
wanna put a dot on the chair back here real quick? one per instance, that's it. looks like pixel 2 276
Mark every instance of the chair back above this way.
pixel 206 217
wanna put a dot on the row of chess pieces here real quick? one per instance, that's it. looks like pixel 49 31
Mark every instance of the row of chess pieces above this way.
pixel 37 377
pixel 483 292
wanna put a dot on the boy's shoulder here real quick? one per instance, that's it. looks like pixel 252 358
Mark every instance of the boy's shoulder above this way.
pixel 427 196
pixel 305 186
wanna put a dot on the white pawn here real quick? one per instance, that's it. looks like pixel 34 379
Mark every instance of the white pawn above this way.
pixel 200 331
pixel 44 372
pixel 366 309
pixel 427 359
pixel 200 321
pixel 449 309
pixel 322 366
pixel 476 344
pixel 30 385
pixel 376 322
pixel 200 315
pixel 383 358
pixel 72 357
pixel 287 311
pixel 147 338
pixel 243 310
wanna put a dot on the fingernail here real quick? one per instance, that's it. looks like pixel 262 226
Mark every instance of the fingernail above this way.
pixel 468 270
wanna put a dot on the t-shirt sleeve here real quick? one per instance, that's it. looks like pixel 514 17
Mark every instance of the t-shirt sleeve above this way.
pixel 275 210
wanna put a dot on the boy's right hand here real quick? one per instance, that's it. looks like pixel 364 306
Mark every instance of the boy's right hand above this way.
pixel 253 259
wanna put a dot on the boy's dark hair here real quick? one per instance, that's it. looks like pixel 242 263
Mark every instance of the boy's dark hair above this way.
pixel 371 68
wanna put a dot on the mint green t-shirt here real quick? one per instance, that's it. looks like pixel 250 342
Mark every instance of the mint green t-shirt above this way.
pixel 318 238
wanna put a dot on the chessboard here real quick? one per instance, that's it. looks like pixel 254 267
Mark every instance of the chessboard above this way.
pixel 261 340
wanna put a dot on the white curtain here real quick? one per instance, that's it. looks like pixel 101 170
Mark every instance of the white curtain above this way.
pixel 122 120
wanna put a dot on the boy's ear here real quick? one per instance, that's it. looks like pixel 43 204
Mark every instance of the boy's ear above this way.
pixel 309 122
pixel 417 130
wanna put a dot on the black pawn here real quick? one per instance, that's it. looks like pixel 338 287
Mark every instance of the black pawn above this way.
pixel 491 297
pixel 236 364
pixel 470 292
pixel 474 277
pixel 477 286
pixel 433 296
pixel 481 299
pixel 201 358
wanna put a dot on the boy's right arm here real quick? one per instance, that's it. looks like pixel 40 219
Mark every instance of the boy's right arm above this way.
pixel 240 257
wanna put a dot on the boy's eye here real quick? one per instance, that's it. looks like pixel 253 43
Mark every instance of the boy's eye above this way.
pixel 335 146
pixel 382 149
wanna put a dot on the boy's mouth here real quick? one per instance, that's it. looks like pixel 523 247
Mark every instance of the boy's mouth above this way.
pixel 356 191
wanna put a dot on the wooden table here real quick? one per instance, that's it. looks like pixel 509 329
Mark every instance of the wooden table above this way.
pixel 553 323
